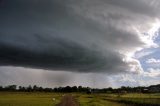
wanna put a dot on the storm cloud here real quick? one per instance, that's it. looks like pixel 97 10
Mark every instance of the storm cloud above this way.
pixel 75 35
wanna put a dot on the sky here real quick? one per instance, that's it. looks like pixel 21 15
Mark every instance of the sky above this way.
pixel 95 43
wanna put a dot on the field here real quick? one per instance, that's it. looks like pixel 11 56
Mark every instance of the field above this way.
pixel 28 99
pixel 80 99
pixel 95 100
pixel 136 99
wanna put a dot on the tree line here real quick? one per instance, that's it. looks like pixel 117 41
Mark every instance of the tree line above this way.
pixel 123 89
pixel 36 88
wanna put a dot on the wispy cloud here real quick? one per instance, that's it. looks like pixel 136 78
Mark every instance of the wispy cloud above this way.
pixel 152 73
pixel 153 61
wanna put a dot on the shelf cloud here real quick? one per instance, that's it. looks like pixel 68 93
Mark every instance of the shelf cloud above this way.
pixel 78 36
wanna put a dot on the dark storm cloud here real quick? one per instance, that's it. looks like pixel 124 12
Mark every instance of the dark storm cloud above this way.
pixel 70 35
pixel 62 55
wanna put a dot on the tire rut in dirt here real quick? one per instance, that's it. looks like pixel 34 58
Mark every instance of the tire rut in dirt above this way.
pixel 68 100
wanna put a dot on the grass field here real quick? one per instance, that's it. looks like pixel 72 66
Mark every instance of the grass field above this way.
pixel 115 100
pixel 95 100
pixel 136 99
pixel 28 99
pixel 46 99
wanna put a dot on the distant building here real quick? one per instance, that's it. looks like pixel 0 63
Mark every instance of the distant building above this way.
pixel 145 90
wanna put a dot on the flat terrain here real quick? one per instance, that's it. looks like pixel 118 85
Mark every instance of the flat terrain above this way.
pixel 77 99
pixel 96 100
pixel 138 99
pixel 29 99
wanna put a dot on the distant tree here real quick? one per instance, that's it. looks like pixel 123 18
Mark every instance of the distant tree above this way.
pixel 74 89
pixel 55 89
pixel 48 89
pixel 40 89
pixel 80 88
pixel 35 88
pixel 11 87
pixel 1 88
pixel 20 88
pixel 67 89
pixel 29 88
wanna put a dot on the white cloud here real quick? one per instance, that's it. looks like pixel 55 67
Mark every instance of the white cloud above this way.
pixel 153 61
pixel 148 82
pixel 152 73
pixel 134 64
pixel 152 34
pixel 142 54
pixel 126 78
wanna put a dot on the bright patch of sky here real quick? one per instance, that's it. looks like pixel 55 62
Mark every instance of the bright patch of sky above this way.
pixel 149 59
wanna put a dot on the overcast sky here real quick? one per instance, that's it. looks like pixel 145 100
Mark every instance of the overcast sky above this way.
pixel 96 43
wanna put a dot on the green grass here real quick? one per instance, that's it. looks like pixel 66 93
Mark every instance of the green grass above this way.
pixel 95 100
pixel 45 99
pixel 28 99
pixel 141 95
pixel 135 98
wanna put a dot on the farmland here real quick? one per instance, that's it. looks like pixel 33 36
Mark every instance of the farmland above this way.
pixel 82 99
pixel 28 99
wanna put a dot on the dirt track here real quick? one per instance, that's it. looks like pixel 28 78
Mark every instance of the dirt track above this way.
pixel 68 100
